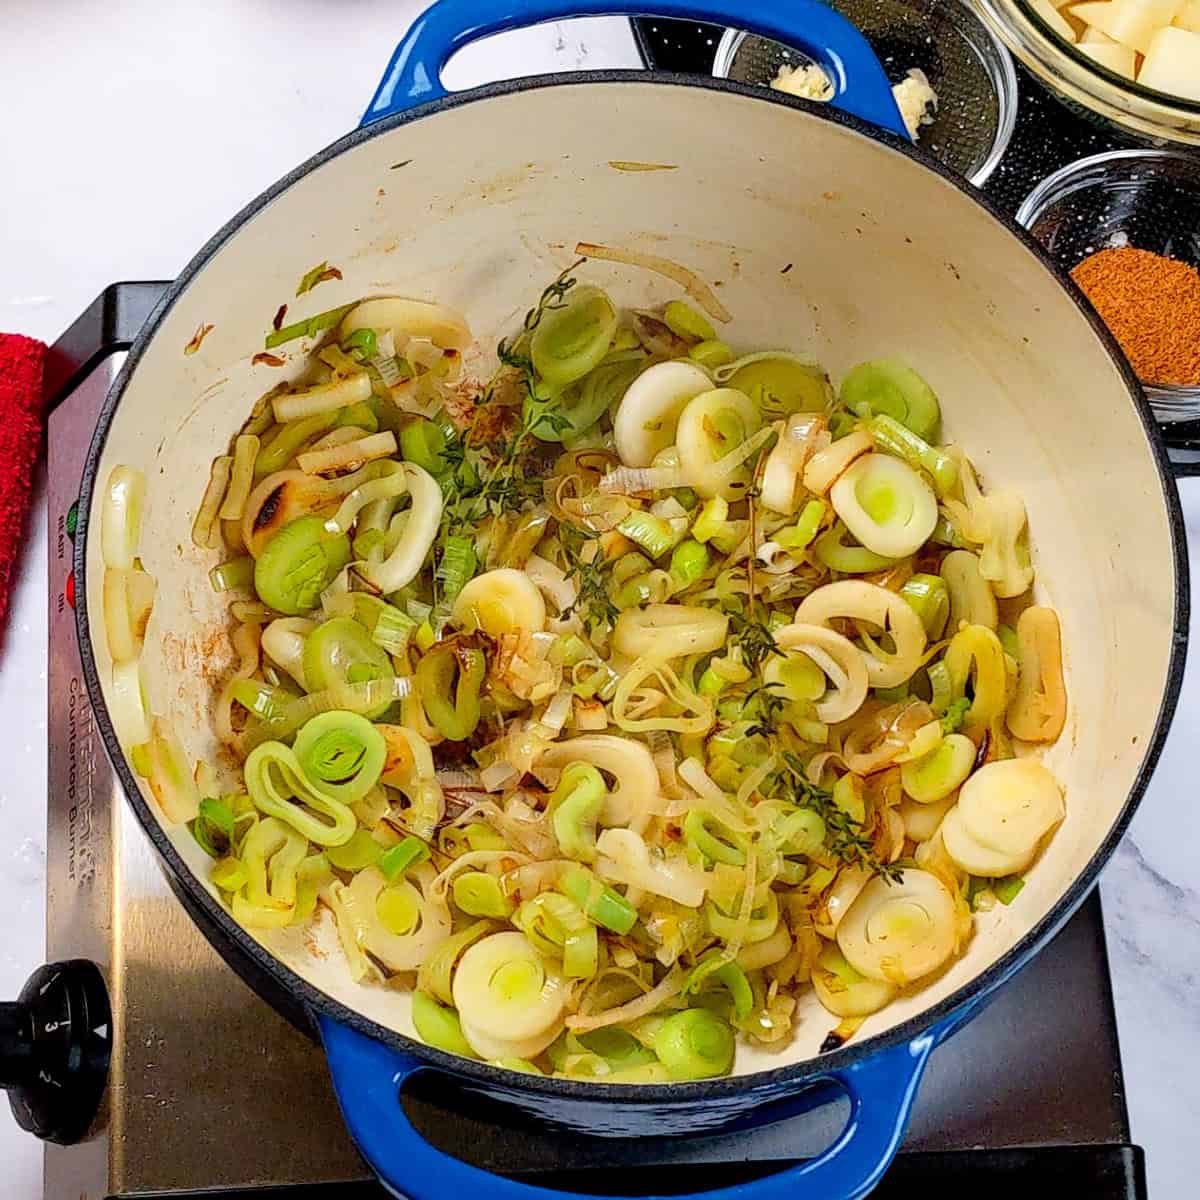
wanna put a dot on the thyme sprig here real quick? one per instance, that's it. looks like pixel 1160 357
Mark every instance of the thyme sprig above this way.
pixel 844 836
pixel 594 603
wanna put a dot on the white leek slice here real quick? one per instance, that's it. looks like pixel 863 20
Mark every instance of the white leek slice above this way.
pixel 1011 805
pixel 283 643
pixel 323 398
pixel 1038 710
pixel 121 517
pixel 922 743
pixel 971 598
pixel 346 454
pixel 886 505
pixel 504 989
pixel 1004 561
pixel 493 1048
pixel 838 899
pixel 444 327
pixel 921 821
pixel 171 778
pixel 665 631
pixel 900 931
pixel 973 856
pixel 795 676
pixel 648 415
pixel 128 705
pixel 935 775
pixel 553 582
pixel 409 767
pixel 712 426
pixel 128 601
pixel 827 466
pixel 841 662
pixel 854 598
pixel 625 858
pixel 629 763
pixel 397 951
pixel 406 560
pixel 782 477
pixel 843 991
pixel 499 602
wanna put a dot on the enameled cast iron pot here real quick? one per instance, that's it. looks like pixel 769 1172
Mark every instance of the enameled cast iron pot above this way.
pixel 477 200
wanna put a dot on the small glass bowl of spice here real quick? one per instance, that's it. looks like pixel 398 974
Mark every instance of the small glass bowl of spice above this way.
pixel 1126 225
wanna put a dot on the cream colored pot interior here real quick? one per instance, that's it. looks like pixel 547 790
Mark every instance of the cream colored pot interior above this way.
pixel 885 258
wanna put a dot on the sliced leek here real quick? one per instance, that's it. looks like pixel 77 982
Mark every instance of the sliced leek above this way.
pixel 505 990
pixel 712 426
pixel 406 559
pixel 886 505
pixel 936 774
pixel 1011 805
pixel 1004 560
pixel 971 599
pixel 975 857
pixel 500 602
pixel 843 991
pixel 921 821
pixel 627 762
pixel 779 383
pixel 899 932
pixel 837 658
pixel 121 517
pixel 666 631
pixel 976 656
pixel 572 337
pixel 1038 710
pixel 127 704
pixel 886 611
pixel 403 319
pixel 625 858
pixel 648 415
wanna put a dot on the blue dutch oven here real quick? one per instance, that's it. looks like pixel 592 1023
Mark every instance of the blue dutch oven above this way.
pixel 827 232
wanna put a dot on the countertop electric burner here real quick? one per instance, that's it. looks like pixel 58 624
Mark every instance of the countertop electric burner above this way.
pixel 162 1074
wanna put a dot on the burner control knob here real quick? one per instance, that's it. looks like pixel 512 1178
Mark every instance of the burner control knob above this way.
pixel 55 1043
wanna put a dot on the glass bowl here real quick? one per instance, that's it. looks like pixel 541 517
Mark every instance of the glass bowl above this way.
pixel 1087 87
pixel 969 69
pixel 1148 199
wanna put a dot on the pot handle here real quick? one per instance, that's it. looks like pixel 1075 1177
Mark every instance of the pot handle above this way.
pixel 369 1077
pixel 414 74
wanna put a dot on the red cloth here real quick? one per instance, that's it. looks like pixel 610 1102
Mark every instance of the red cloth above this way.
pixel 21 361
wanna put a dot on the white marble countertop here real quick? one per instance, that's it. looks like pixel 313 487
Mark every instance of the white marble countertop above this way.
pixel 132 131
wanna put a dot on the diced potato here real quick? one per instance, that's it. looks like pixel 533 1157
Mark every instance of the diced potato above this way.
pixel 1078 28
pixel 1114 56
pixel 1189 16
pixel 1173 63
pixel 1096 14
pixel 1054 19
pixel 1130 22
pixel 1093 37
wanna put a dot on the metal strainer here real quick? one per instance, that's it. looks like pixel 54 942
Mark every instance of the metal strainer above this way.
pixel 971 72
